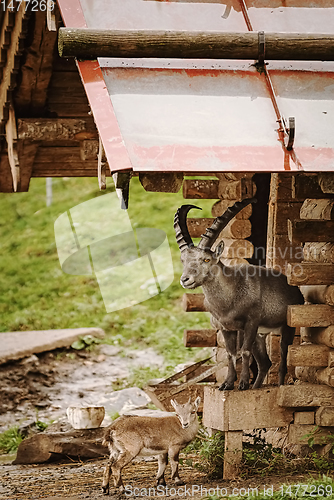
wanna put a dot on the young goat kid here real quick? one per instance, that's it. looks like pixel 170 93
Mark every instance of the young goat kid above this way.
pixel 245 299
pixel 130 436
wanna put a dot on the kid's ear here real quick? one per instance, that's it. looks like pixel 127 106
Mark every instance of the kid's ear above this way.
pixel 218 250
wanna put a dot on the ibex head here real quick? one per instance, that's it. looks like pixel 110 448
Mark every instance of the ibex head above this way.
pixel 186 413
pixel 200 263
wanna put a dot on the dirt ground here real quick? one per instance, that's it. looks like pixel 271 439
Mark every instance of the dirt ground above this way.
pixel 76 480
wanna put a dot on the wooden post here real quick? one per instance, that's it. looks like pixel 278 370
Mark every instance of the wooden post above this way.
pixel 85 43
pixel 233 454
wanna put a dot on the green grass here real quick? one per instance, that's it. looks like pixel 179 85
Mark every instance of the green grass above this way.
pixel 36 294
pixel 10 440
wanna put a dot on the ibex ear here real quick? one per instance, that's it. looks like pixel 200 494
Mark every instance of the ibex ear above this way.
pixel 197 402
pixel 218 250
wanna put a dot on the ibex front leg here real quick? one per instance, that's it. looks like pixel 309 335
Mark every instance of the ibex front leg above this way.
pixel 250 332
pixel 231 345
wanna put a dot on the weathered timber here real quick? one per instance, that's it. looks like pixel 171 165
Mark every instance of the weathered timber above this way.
pixel 315 375
pixel 27 153
pixel 310 274
pixel 319 335
pixel 235 229
pixel 200 338
pixel 306 186
pixel 310 315
pixel 326 182
pixel 300 231
pixel 89 150
pixel 91 43
pixel 235 249
pixel 193 302
pixel 236 190
pixel 317 209
pixel 233 176
pixel 13 53
pixel 221 206
pixel 305 395
pixel 199 371
pixel 324 416
pixel 232 454
pixel 298 434
pixel 56 129
pixel 74 169
pixel 190 391
pixel 321 294
pixel 36 70
pixel 319 252
pixel 6 179
pixel 308 355
pixel 200 188
pixel 230 410
pixel 304 417
pixel 284 211
pixel 164 182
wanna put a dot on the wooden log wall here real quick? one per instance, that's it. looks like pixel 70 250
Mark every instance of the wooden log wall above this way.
pixel 226 189
pixel 314 358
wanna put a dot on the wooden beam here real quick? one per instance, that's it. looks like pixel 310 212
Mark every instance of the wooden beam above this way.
pixel 310 274
pixel 319 252
pixel 238 229
pixel 312 315
pixel 321 294
pixel 200 188
pixel 326 182
pixel 92 43
pixel 305 186
pixel 200 338
pixel 322 209
pixel 193 302
pixel 308 355
pixel 315 375
pixel 56 129
pixel 319 335
pixel 305 395
pixel 300 231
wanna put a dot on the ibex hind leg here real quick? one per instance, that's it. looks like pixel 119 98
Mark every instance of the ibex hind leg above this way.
pixel 114 452
pixel 162 463
pixel 173 454
pixel 288 334
pixel 262 359
pixel 231 344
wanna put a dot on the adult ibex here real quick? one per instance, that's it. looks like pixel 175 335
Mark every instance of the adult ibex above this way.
pixel 248 299
pixel 130 436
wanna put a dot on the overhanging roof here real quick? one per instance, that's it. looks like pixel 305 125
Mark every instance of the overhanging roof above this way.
pixel 209 115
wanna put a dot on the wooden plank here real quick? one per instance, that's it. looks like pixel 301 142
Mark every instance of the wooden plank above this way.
pixel 319 294
pixel 221 206
pixel 298 434
pixel 310 315
pixel 231 410
pixel 306 186
pixel 319 335
pixel 326 182
pixel 75 169
pixel 304 417
pixel 323 253
pixel 232 455
pixel 58 155
pixel 199 371
pixel 322 209
pixel 310 274
pixel 92 43
pixel 285 210
pixel 315 375
pixel 236 190
pixel 308 355
pixel 56 129
pixel 300 231
pixel 191 391
pixel 200 189
pixel 305 395
pixel 193 302
pixel 200 338
pixel 238 229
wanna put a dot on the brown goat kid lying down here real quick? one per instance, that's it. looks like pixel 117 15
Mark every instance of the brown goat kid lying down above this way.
pixel 130 436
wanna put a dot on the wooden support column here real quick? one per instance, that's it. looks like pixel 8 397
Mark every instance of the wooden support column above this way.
pixel 233 454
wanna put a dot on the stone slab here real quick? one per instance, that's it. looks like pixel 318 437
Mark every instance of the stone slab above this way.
pixel 18 345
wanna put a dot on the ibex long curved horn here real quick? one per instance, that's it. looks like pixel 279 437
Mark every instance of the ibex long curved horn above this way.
pixel 183 237
pixel 212 232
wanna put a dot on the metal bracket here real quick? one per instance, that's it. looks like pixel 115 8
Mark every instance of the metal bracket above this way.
pixel 262 47
pixel 290 134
